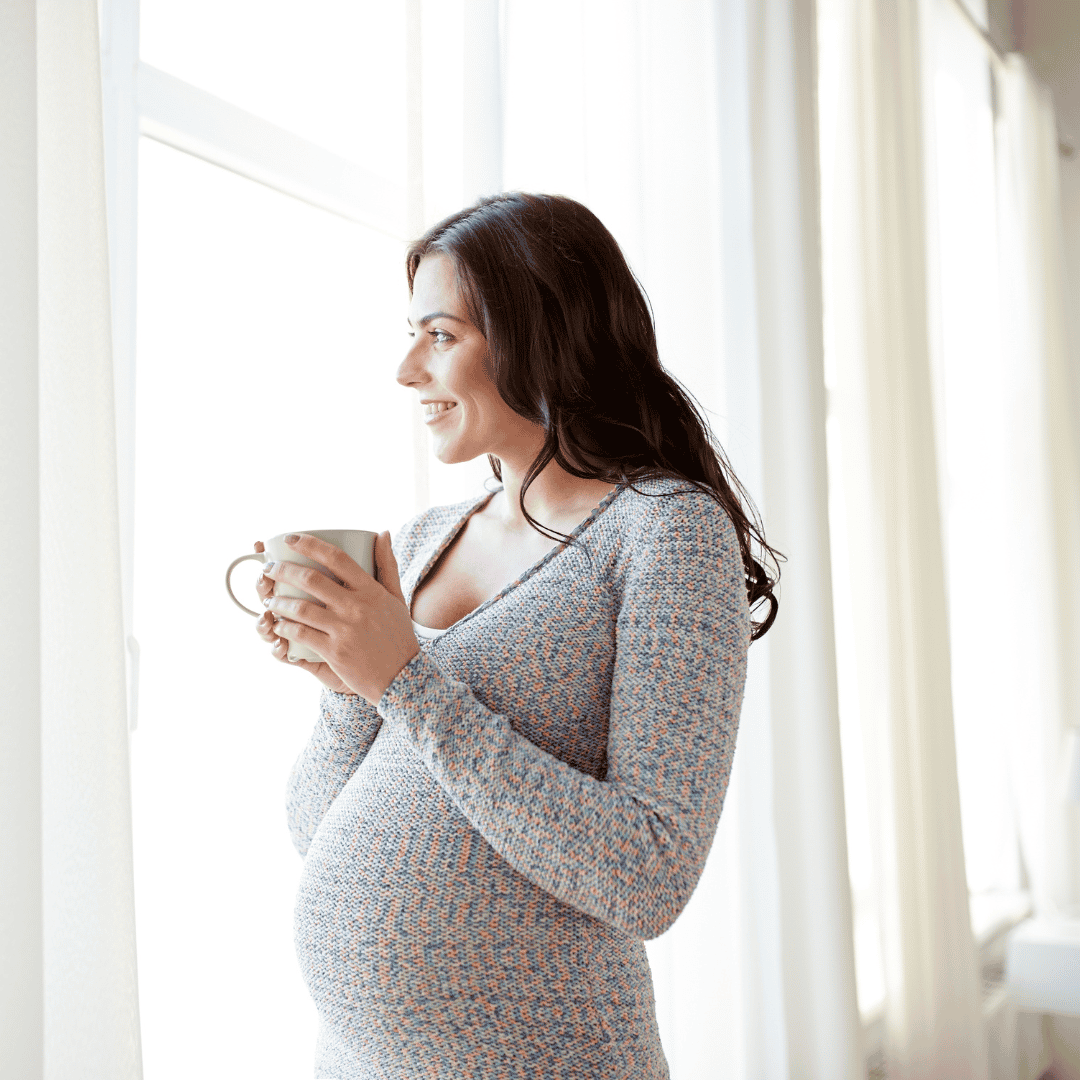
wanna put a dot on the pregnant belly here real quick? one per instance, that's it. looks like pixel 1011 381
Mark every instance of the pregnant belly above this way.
pixel 409 925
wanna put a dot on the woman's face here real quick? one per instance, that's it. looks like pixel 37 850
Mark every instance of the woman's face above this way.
pixel 446 363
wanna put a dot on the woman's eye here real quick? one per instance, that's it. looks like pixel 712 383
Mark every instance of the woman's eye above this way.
pixel 440 336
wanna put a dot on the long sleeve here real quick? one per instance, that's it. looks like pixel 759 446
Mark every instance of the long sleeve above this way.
pixel 343 734
pixel 628 849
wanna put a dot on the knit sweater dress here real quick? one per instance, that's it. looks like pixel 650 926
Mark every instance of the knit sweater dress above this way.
pixel 533 798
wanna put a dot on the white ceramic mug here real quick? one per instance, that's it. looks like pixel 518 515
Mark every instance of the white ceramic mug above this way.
pixel 358 544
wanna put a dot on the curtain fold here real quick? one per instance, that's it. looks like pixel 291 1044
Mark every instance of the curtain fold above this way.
pixel 72 605
pixel 876 299
pixel 1042 493
pixel 824 1033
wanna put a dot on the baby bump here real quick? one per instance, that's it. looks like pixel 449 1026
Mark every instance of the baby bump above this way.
pixel 404 910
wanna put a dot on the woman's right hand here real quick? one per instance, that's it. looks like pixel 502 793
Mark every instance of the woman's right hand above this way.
pixel 279 647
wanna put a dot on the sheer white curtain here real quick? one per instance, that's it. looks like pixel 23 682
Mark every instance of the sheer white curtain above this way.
pixel 1041 499
pixel 883 295
pixel 775 372
pixel 68 974
pixel 876 298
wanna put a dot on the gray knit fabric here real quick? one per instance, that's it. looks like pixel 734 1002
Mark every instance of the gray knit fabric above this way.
pixel 535 796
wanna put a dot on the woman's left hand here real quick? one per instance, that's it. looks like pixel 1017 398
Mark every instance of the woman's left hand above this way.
pixel 361 628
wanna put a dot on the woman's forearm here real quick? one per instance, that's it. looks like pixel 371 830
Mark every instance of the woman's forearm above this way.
pixel 343 734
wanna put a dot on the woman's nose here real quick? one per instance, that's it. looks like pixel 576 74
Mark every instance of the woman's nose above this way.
pixel 408 369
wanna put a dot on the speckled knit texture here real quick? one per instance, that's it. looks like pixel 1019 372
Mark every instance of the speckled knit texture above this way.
pixel 535 796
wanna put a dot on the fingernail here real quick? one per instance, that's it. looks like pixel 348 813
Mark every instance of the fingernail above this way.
pixel 266 603
pixel 292 538
pixel 267 567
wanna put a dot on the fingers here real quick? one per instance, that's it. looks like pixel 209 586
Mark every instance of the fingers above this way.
pixel 264 627
pixel 308 613
pixel 264 586
pixel 279 647
pixel 342 569
pixel 307 579
pixel 303 616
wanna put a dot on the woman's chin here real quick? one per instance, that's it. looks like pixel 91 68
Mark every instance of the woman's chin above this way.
pixel 445 452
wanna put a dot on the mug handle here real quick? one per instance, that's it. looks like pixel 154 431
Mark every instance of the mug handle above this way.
pixel 259 556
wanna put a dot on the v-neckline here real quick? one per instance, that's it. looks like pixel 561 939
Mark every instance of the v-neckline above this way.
pixel 538 565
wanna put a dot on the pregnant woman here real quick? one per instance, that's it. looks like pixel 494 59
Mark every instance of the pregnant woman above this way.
pixel 524 740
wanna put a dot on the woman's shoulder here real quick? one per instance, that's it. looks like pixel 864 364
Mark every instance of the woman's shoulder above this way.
pixel 653 505
pixel 683 525
pixel 671 534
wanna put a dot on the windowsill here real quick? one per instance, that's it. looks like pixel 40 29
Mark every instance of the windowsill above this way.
pixel 993 915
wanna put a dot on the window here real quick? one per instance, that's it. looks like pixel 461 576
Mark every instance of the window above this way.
pixel 972 414
pixel 264 364
pixel 271 209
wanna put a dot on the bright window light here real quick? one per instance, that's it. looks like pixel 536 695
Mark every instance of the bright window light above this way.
pixel 269 335
pixel 973 411
pixel 869 960
pixel 331 71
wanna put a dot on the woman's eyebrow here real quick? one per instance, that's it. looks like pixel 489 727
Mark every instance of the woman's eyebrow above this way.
pixel 435 315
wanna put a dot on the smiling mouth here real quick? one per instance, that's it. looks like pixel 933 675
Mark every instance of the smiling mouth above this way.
pixel 434 413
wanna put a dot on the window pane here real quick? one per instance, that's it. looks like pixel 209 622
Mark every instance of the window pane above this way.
pixel 268 339
pixel 331 71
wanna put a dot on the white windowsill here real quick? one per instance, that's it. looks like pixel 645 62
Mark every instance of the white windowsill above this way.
pixel 993 915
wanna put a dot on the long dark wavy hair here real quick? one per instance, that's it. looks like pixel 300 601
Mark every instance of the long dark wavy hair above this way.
pixel 571 346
